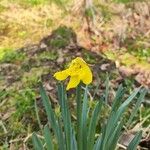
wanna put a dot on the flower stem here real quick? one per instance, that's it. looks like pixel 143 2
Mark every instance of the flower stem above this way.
pixel 79 111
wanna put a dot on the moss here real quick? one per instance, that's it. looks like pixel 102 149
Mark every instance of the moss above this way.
pixel 64 32
pixel 3 51
pixel 59 43
pixel 48 55
pixel 61 37
pixel 11 56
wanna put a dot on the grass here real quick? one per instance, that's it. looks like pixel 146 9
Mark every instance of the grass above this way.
pixel 138 60
pixel 30 3
pixel 26 24
pixel 31 78
pixel 126 1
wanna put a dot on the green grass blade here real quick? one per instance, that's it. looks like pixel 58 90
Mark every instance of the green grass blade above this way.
pixel 37 142
pixel 107 89
pixel 137 105
pixel 48 138
pixel 134 143
pixel 37 115
pixel 92 126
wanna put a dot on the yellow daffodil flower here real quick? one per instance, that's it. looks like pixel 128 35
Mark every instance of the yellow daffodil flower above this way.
pixel 78 71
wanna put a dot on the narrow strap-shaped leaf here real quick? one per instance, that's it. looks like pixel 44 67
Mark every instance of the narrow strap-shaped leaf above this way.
pixel 137 105
pixel 131 97
pixel 134 143
pixel 122 109
pixel 115 117
pixel 48 138
pixel 117 100
pixel 48 108
pixel 106 129
pixel 113 139
pixel 84 119
pixel 98 143
pixel 51 116
pixel 107 89
pixel 37 142
pixel 79 111
pixel 92 126
pixel 73 141
pixel 61 142
pixel 65 115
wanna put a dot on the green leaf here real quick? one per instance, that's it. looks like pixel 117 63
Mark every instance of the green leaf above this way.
pixel 113 120
pixel 123 107
pixel 65 115
pixel 134 143
pixel 117 100
pixel 37 142
pixel 98 143
pixel 92 126
pixel 73 142
pixel 52 118
pixel 113 139
pixel 48 139
pixel 79 111
pixel 61 142
pixel 84 119
pixel 107 89
pixel 49 110
pixel 137 105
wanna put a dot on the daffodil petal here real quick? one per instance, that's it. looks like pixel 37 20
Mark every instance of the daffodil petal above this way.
pixel 74 81
pixel 86 75
pixel 61 75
